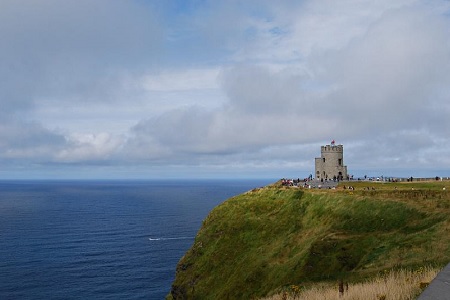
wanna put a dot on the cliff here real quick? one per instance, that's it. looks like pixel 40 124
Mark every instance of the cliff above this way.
pixel 258 242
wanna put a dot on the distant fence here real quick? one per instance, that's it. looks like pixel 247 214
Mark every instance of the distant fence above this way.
pixel 425 179
pixel 403 179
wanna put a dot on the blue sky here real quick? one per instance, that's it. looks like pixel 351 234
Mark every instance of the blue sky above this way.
pixel 187 89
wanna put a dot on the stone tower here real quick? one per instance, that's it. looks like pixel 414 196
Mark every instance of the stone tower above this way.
pixel 330 164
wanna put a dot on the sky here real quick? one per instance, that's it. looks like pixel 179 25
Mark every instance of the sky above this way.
pixel 141 89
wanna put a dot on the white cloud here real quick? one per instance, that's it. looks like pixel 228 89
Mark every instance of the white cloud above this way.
pixel 89 148
pixel 28 141
pixel 225 84
pixel 71 50
pixel 386 80
pixel 379 77
pixel 186 79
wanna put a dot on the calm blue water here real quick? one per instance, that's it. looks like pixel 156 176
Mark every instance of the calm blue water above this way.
pixel 100 240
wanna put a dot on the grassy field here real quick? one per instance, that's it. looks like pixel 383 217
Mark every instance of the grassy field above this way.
pixel 392 285
pixel 267 239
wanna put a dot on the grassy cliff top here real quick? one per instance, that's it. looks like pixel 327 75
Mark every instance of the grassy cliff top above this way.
pixel 271 237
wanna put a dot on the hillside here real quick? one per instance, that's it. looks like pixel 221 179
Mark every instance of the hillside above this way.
pixel 258 242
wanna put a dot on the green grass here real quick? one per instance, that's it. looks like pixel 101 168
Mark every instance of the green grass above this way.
pixel 269 238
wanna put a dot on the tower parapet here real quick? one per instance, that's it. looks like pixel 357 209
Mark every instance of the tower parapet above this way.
pixel 332 148
pixel 330 164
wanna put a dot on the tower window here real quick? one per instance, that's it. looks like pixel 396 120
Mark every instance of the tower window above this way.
pixel 324 159
pixel 340 161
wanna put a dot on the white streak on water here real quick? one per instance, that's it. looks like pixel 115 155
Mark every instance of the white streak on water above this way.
pixel 170 238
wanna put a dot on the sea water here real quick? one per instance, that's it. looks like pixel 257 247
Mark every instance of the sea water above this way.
pixel 100 239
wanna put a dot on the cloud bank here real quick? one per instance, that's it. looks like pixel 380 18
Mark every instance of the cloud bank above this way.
pixel 136 89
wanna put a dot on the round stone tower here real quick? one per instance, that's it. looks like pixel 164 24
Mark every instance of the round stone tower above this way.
pixel 330 164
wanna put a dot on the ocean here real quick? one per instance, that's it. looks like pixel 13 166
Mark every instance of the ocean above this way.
pixel 101 239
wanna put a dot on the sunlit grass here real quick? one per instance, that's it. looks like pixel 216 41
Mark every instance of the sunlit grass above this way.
pixel 392 285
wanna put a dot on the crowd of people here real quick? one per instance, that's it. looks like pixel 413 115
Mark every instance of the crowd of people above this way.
pixel 293 182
